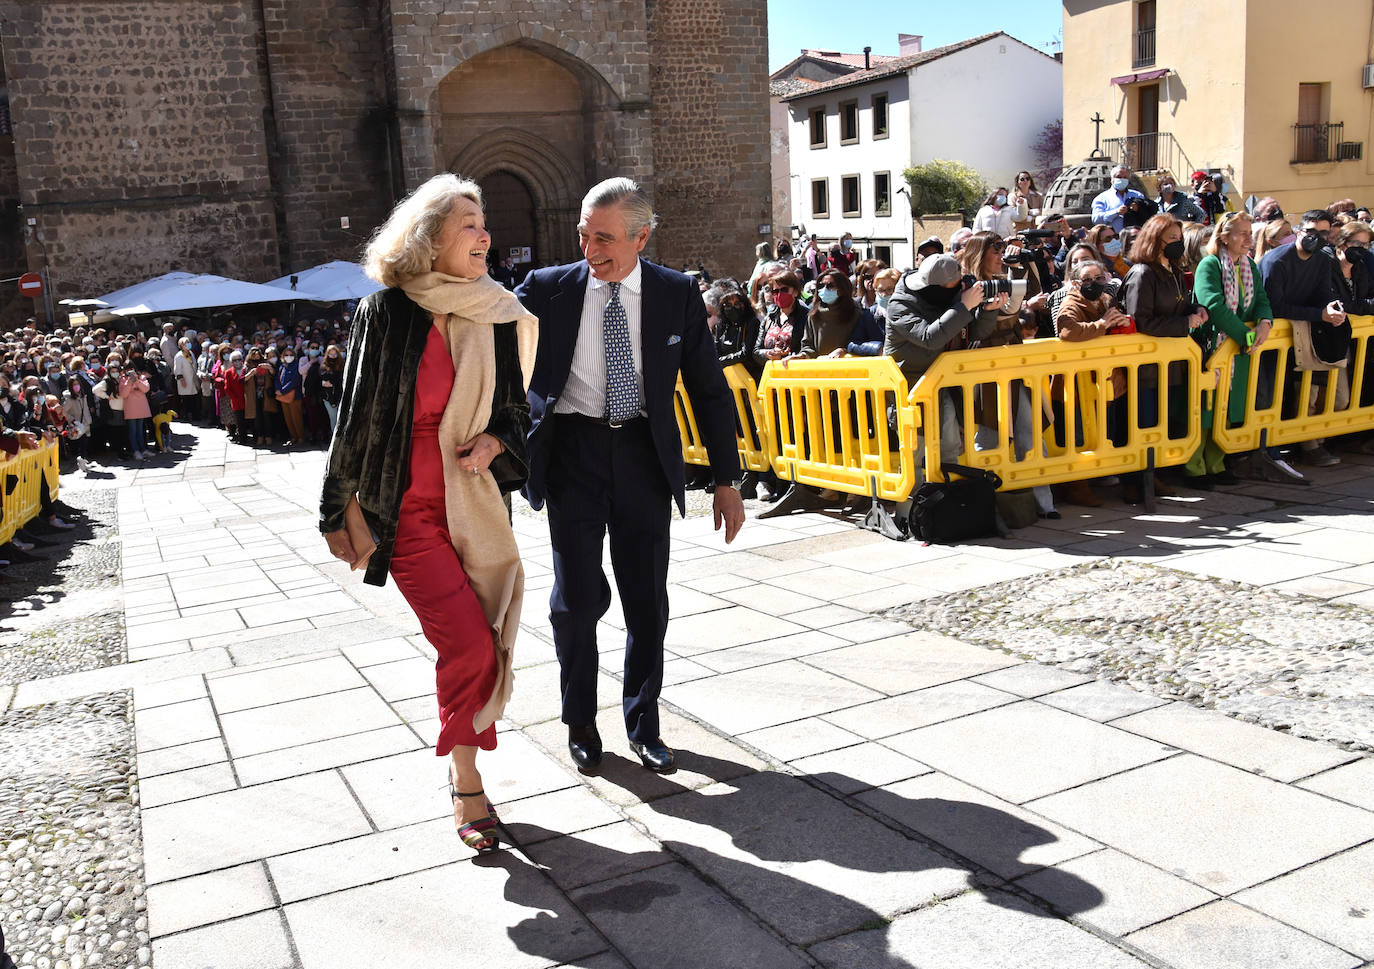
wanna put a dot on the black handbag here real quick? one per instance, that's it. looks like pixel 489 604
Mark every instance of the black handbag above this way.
pixel 943 512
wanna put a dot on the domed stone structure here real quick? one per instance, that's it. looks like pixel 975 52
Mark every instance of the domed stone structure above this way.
pixel 1077 185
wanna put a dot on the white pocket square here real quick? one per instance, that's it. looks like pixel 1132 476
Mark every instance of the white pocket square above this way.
pixel 674 339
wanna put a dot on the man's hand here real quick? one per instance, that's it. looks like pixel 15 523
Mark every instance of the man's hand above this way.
pixel 728 507
pixel 971 297
pixel 339 545
pixel 475 455
pixel 27 441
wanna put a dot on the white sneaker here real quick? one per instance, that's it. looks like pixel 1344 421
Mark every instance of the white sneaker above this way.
pixel 21 545
pixel 83 464
pixel 56 522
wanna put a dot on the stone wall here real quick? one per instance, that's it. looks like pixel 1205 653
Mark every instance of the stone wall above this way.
pixel 710 108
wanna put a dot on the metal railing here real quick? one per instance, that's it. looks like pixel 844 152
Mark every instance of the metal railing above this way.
pixel 1149 151
pixel 1144 48
pixel 1316 142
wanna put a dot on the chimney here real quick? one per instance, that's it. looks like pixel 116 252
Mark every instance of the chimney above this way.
pixel 867 51
pixel 908 44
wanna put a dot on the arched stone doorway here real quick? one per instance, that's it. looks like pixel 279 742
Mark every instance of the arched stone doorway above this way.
pixel 535 127
pixel 511 218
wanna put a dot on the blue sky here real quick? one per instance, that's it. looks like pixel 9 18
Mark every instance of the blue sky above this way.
pixel 849 25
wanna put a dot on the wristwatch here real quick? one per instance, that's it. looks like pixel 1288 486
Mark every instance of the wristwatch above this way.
pixel 732 483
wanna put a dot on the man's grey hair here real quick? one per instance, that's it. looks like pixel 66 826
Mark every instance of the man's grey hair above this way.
pixel 626 193
pixel 1122 168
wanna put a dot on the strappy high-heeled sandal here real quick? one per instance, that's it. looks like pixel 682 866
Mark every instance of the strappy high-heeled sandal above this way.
pixel 453 793
pixel 480 835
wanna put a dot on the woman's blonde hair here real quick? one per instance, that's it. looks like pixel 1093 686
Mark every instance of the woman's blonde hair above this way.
pixel 404 246
pixel 1223 227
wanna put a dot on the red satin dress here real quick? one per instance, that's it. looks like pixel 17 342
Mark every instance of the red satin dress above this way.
pixel 430 576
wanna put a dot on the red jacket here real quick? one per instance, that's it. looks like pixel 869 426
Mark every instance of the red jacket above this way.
pixel 230 381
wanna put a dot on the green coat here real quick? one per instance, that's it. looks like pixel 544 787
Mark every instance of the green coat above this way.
pixel 1222 324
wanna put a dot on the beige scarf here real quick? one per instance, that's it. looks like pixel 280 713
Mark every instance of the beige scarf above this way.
pixel 474 510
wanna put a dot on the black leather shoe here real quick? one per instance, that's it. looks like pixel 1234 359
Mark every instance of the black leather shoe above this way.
pixel 655 756
pixel 584 743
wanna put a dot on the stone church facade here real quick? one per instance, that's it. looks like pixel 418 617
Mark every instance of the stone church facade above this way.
pixel 236 137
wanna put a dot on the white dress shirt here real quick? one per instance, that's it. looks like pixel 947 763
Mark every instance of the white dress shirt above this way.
pixel 585 391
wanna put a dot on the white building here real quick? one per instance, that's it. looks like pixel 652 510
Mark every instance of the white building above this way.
pixel 982 101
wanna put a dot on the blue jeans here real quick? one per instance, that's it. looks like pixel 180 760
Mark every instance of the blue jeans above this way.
pixel 138 433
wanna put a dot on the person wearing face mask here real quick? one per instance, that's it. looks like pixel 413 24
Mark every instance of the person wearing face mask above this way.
pixel 53 381
pixel 109 416
pixel 187 384
pixel 1175 203
pixel 737 327
pixel 1227 283
pixel 76 410
pixel 1107 241
pixel 1301 281
pixel 929 314
pixel 205 364
pixel 1111 205
pixel 1207 196
pixel 1000 214
pixel 133 390
pixel 287 391
pixel 781 332
pixel 331 383
pixel 1156 296
pixel 316 420
pixel 848 255
pixel 884 284
pixel 1274 233
pixel 833 318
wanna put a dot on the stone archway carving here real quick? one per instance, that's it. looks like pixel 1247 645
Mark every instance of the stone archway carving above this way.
pixel 549 41
pixel 556 186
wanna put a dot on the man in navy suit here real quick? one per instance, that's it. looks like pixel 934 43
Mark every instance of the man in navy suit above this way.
pixel 606 454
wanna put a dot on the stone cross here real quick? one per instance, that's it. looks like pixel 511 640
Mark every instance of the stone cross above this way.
pixel 1098 121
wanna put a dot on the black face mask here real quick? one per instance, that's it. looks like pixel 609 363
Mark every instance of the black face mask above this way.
pixel 1310 242
pixel 1354 252
pixel 940 296
pixel 1173 251
pixel 735 313
pixel 1092 288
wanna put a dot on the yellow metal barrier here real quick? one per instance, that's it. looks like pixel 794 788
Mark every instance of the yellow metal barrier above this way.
pixel 753 456
pixel 826 425
pixel 1284 417
pixel 22 502
pixel 989 391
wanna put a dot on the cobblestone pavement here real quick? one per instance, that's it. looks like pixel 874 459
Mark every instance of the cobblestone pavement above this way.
pixel 957 784
pixel 1295 664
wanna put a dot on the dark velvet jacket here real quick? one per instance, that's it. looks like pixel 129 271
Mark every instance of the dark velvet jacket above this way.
pixel 370 453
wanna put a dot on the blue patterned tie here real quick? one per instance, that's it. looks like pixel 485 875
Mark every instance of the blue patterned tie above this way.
pixel 622 392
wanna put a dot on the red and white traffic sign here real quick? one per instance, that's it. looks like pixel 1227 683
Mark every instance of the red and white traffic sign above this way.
pixel 31 285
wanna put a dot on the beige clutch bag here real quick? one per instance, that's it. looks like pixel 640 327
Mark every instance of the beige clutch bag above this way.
pixel 359 534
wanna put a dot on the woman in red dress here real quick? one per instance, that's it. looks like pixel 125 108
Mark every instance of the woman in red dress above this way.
pixel 431 431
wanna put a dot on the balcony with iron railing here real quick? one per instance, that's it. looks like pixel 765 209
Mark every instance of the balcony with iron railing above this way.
pixel 1144 48
pixel 1315 143
pixel 1148 152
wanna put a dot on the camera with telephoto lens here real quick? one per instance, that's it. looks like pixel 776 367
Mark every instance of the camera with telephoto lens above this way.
pixel 993 288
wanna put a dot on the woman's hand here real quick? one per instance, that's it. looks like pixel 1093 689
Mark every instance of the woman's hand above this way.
pixel 1198 318
pixel 836 354
pixel 339 545
pixel 1262 329
pixel 476 455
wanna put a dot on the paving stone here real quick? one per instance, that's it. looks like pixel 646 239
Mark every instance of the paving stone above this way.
pixel 1333 900
pixel 757 838
pixel 678 904
pixel 1244 745
pixel 1102 701
pixel 220 830
pixel 597 855
pixel 184 757
pixel 255 942
pixel 404 679
pixel 277 684
pixel 525 922
pixel 1224 935
pixel 325 754
pixel 1114 892
pixel 367 859
pixel 921 708
pixel 184 785
pixel 766 695
pixel 1353 783
pixel 1026 750
pixel 913 661
pixel 175 724
pixel 296 722
pixel 988 930
pixel 537 696
pixel 860 767
pixel 213 897
pixel 168 691
pixel 1000 836
pixel 411 787
pixel 769 651
pixel 1031 679
pixel 690 635
pixel 543 816
pixel 381 651
pixel 1217 826
pixel 800 738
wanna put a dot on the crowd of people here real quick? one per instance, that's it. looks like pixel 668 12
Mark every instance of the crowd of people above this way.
pixel 1181 265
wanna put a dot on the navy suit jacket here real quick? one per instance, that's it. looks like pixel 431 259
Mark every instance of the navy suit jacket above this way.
pixel 674 338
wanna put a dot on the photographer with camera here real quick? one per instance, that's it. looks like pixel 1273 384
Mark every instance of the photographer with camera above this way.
pixel 982 261
pixel 1111 206
pixel 1000 213
pixel 934 309
pixel 1175 203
